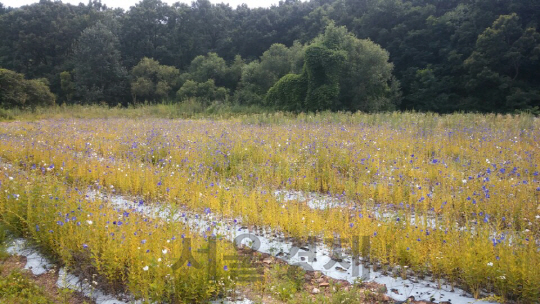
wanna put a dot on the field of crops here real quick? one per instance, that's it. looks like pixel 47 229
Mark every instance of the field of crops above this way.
pixel 455 198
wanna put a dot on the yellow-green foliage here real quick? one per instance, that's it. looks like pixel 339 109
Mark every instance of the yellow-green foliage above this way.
pixel 16 288
pixel 459 193
pixel 125 249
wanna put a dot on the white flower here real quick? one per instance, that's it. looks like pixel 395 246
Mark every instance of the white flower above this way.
pixel 159 260
pixel 464 181
pixel 145 268
pixel 490 264
pixel 11 178
pixel 89 222
pixel 164 251
pixel 502 278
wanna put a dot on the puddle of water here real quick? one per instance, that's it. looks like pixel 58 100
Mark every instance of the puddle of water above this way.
pixel 314 258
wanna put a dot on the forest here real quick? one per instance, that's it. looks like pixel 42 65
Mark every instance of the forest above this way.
pixel 301 56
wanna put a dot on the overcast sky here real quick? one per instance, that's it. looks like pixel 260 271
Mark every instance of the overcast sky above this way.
pixel 125 4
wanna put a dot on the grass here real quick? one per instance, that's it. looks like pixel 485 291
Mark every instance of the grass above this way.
pixel 17 288
pixel 188 109
pixel 118 250
pixel 459 193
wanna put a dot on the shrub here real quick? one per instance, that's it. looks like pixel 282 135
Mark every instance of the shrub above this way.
pixel 17 92
pixel 204 92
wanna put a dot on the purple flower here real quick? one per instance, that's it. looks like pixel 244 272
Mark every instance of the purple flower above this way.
pixel 60 223
pixel 143 242
pixel 225 268
pixel 85 246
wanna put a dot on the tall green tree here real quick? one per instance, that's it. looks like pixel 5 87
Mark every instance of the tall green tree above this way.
pixel 210 66
pixel 67 86
pixel 146 31
pixel 340 72
pixel 99 74
pixel 152 81
pixel 505 56
pixel 37 40
pixel 260 75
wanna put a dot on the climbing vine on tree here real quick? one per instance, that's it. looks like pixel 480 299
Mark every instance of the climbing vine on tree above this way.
pixel 321 85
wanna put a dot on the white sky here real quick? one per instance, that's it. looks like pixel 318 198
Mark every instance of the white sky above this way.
pixel 125 4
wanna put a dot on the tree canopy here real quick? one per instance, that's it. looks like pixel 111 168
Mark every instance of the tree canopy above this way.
pixel 427 55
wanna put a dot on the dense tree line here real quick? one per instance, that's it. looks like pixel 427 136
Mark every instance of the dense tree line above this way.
pixel 370 55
